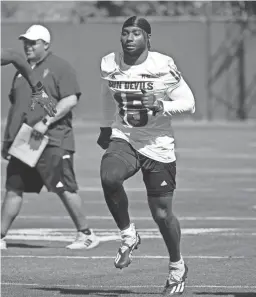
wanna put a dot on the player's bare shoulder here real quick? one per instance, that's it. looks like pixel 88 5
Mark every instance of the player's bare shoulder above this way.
pixel 109 63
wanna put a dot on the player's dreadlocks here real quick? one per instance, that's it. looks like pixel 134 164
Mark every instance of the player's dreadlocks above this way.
pixel 140 23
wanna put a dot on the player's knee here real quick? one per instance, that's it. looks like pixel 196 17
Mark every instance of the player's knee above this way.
pixel 162 211
pixel 112 173
pixel 161 206
pixel 160 215
pixel 164 218
pixel 111 179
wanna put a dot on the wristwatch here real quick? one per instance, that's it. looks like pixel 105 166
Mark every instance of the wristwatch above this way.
pixel 37 88
pixel 46 122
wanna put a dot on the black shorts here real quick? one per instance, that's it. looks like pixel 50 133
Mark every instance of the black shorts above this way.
pixel 54 170
pixel 159 178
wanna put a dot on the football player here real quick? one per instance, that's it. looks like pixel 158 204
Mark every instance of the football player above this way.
pixel 141 91
pixel 10 56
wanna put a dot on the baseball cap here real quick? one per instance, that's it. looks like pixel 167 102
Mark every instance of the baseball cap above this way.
pixel 36 32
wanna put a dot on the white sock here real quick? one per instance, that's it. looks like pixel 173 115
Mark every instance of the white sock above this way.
pixel 180 269
pixel 129 230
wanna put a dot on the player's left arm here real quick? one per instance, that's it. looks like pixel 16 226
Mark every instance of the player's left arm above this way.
pixel 181 99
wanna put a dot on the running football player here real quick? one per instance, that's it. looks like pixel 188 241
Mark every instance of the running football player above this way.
pixel 141 91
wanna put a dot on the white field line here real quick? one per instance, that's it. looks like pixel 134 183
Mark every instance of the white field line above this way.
pixel 187 153
pixel 137 189
pixel 213 155
pixel 112 257
pixel 67 235
pixel 202 124
pixel 187 190
pixel 109 218
pixel 124 287
pixel 143 190
pixel 245 170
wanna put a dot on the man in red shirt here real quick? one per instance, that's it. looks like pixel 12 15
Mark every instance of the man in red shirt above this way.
pixel 10 56
pixel 55 166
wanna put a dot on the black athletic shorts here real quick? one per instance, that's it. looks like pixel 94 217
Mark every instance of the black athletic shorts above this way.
pixel 159 178
pixel 54 170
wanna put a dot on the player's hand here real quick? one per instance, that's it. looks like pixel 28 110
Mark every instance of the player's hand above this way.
pixel 104 137
pixel 149 101
pixel 37 135
pixel 40 96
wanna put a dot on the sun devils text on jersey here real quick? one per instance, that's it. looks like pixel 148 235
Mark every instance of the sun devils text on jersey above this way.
pixel 122 86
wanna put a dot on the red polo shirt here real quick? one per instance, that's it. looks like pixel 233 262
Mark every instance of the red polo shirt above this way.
pixel 60 81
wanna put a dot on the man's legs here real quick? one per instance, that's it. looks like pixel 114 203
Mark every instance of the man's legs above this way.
pixel 118 164
pixel 75 206
pixel 113 173
pixel 19 178
pixel 56 168
pixel 85 239
pixel 159 179
pixel 10 209
pixel 169 226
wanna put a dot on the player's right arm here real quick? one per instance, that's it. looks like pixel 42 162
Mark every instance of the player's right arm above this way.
pixel 10 56
pixel 108 110
pixel 107 103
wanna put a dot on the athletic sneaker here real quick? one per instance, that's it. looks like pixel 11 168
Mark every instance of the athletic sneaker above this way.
pixel 3 245
pixel 84 241
pixel 130 240
pixel 175 283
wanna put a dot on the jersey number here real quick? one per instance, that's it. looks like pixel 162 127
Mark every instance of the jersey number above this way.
pixel 131 109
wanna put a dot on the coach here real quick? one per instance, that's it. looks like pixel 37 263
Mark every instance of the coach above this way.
pixel 55 167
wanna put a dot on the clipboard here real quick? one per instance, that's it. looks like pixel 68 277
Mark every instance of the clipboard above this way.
pixel 21 150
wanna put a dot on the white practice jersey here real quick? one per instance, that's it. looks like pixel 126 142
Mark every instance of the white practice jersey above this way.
pixel 150 134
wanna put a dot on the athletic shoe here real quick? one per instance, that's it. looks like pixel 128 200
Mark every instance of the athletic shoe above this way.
pixel 130 240
pixel 175 283
pixel 84 241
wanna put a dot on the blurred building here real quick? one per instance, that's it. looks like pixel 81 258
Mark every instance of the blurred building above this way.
pixel 80 11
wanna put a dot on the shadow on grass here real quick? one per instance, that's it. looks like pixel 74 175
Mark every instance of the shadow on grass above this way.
pixel 233 294
pixel 96 292
pixel 25 246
